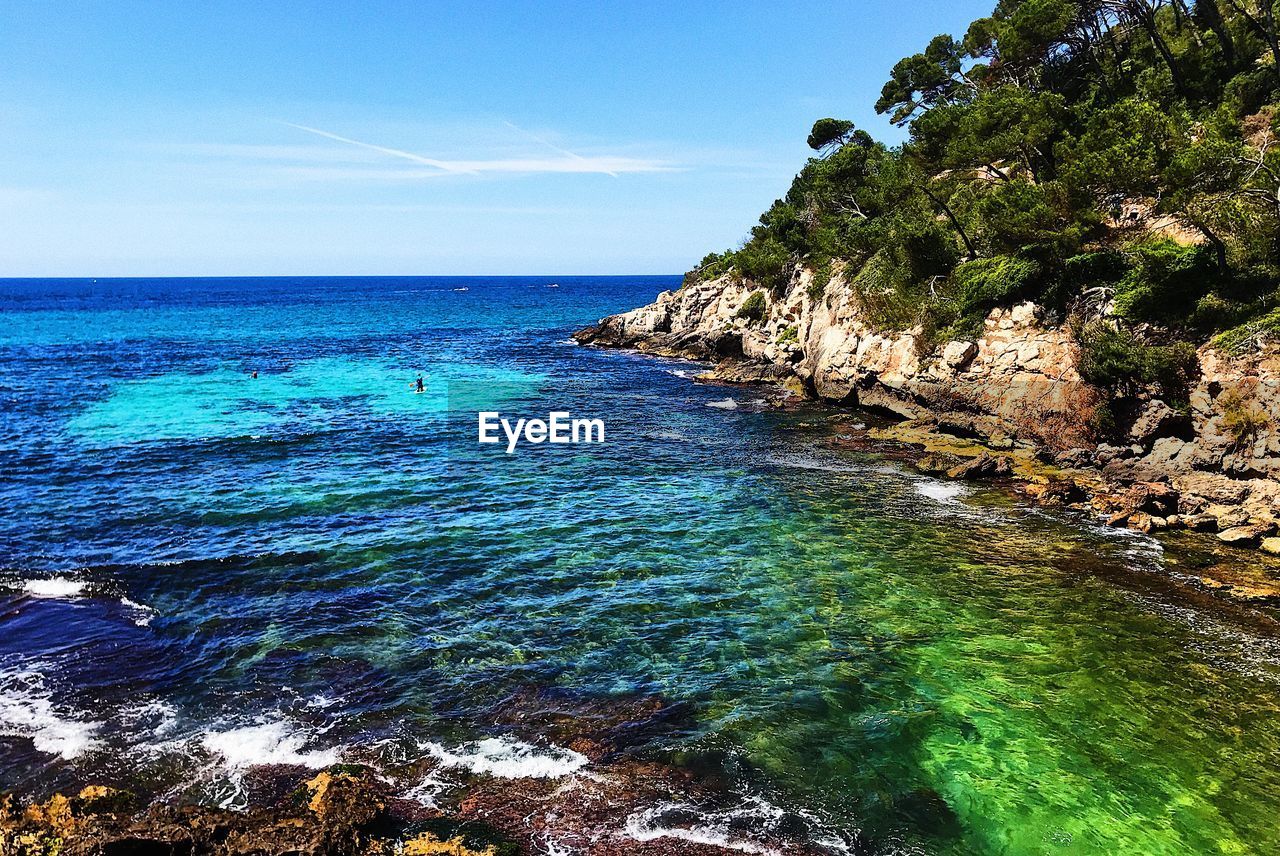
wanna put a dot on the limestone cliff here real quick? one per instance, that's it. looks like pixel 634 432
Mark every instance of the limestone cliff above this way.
pixel 1016 383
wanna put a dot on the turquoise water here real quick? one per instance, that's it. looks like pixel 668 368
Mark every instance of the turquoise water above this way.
pixel 203 570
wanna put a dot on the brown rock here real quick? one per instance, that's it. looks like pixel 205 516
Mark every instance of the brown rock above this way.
pixel 985 465
pixel 1246 535
pixel 1155 421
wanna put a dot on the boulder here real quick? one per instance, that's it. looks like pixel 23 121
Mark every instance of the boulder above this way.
pixel 1228 516
pixel 1201 522
pixel 959 353
pixel 1056 492
pixel 1156 420
pixel 1271 545
pixel 932 464
pixel 1074 459
pixel 983 466
pixel 1246 535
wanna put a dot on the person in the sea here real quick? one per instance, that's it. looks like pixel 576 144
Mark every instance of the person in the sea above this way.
pixel 421 388
pixel 255 374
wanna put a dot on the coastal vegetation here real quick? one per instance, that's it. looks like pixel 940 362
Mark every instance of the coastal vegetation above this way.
pixel 1117 153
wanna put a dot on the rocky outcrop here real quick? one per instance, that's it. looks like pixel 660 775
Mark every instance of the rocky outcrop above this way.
pixel 1015 383
pixel 1017 380
pixel 613 804
pixel 333 813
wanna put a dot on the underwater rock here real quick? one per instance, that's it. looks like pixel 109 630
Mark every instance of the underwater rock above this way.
pixel 1246 534
pixel 985 465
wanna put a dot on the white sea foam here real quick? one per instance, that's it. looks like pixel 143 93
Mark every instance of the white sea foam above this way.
pixel 724 404
pixel 26 710
pixel 824 464
pixel 54 587
pixel 939 491
pixel 142 614
pixel 157 716
pixel 265 743
pixel 508 758
pixel 728 828
pixel 552 847
pixel 428 791
pixel 713 828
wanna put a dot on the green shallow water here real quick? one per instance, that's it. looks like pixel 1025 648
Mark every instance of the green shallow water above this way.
pixel 908 664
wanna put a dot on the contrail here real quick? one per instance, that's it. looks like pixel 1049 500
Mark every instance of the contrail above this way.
pixel 568 162
pixel 553 146
pixel 432 162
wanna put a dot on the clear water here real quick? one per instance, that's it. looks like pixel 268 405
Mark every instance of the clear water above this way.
pixel 200 571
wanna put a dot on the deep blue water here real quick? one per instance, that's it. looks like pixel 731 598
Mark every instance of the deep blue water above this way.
pixel 201 570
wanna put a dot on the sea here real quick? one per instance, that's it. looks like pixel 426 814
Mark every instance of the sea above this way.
pixel 233 534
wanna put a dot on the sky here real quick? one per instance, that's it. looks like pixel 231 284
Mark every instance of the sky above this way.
pixel 420 138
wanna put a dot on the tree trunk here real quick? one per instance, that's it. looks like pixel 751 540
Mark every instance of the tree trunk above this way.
pixel 1208 12
pixel 968 245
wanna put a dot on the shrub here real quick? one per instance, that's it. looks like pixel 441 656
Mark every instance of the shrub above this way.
pixel 1239 338
pixel 1118 361
pixel 883 292
pixel 711 266
pixel 1242 419
pixel 789 336
pixel 1166 282
pixel 978 286
pixel 821 279
pixel 753 307
pixel 983 284
pixel 766 261
pixel 1103 422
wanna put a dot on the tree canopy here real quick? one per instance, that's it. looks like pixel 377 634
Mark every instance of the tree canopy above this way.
pixel 1058 148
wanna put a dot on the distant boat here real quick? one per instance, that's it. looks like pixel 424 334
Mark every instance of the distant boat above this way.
pixel 553 285
pixel 464 288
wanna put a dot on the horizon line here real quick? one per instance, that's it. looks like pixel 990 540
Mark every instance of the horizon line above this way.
pixel 342 276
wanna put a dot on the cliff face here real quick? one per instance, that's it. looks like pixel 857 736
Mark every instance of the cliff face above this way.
pixel 1017 383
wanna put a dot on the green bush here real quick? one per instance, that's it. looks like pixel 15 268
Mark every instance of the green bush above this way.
pixel 789 336
pixel 1120 362
pixel 1239 338
pixel 1102 422
pixel 765 261
pixel 711 266
pixel 1166 282
pixel 976 287
pixel 753 307
pixel 884 294
pixel 821 279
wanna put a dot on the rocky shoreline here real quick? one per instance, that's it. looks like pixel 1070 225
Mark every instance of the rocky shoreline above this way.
pixel 588 792
pixel 1008 401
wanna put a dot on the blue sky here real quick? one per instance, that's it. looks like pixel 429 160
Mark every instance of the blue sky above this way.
pixel 416 137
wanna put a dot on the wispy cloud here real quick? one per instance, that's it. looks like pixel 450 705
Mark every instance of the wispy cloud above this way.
pixel 566 162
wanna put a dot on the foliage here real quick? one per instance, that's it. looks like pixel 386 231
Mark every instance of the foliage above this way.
pixel 1165 282
pixel 983 284
pixel 712 265
pixel 1239 338
pixel 1242 419
pixel 1120 362
pixel 829 134
pixel 753 307
pixel 789 336
pixel 821 279
pixel 1058 149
